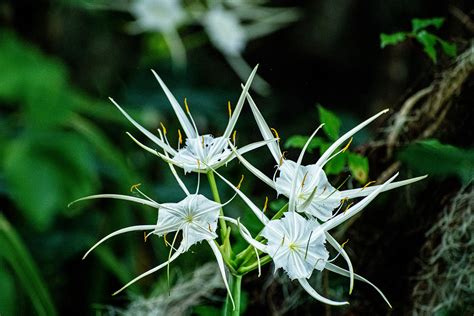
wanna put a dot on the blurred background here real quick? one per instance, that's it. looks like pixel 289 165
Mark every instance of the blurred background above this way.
pixel 61 139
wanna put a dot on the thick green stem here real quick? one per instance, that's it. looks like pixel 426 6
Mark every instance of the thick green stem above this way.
pixel 236 283
pixel 215 194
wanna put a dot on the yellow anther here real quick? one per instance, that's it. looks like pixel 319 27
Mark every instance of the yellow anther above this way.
pixel 344 243
pixel 229 108
pixel 163 128
pixel 344 200
pixel 202 141
pixel 180 137
pixel 266 204
pixel 135 187
pixel 240 182
pixel 145 236
pixel 276 133
pixel 209 226
pixel 347 146
pixel 186 105
pixel 347 207
pixel 234 135
pixel 199 164
pixel 166 241
pixel 368 183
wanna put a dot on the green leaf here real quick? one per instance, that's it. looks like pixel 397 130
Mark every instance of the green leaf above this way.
pixel 448 48
pixel 419 24
pixel 38 169
pixel 298 141
pixel 359 167
pixel 8 299
pixel 428 41
pixel 332 123
pixel 25 269
pixel 335 165
pixel 392 39
pixel 437 159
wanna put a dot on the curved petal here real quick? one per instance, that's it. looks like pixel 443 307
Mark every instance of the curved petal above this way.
pixel 183 119
pixel 220 262
pixel 176 254
pixel 354 193
pixel 118 232
pixel 246 234
pixel 337 220
pixel 341 271
pixel 118 197
pixel 322 160
pixel 304 283
pixel 265 130
pixel 343 253
pixel 240 104
pixel 152 137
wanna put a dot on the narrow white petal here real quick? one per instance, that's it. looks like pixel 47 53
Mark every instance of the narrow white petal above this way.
pixel 252 169
pixel 220 262
pixel 255 145
pixel 183 119
pixel 260 215
pixel 150 150
pixel 240 104
pixel 246 234
pixel 118 232
pixel 343 253
pixel 265 130
pixel 118 197
pixel 354 193
pixel 152 137
pixel 337 220
pixel 341 271
pixel 321 161
pixel 304 283
pixel 176 254
pixel 292 197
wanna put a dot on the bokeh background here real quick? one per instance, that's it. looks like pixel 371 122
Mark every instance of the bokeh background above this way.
pixel 61 139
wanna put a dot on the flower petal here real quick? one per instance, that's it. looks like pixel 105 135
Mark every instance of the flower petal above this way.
pixel 176 254
pixel 354 193
pixel 304 283
pixel 220 262
pixel 341 271
pixel 322 160
pixel 343 253
pixel 118 232
pixel 152 137
pixel 118 197
pixel 183 119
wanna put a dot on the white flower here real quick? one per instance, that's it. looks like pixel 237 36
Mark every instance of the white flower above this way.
pixel 201 152
pixel 225 31
pixel 157 15
pixel 307 187
pixel 291 244
pixel 297 244
pixel 195 217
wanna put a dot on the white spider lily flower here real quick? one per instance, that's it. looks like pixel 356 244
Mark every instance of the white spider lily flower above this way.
pixel 307 187
pixel 297 245
pixel 195 217
pixel 200 151
pixel 225 31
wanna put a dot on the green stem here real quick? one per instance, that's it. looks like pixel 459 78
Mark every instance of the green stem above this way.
pixel 236 288
pixel 215 194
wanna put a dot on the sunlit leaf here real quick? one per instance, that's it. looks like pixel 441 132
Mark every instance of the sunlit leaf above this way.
pixel 332 123
pixel 392 39
pixel 448 48
pixel 428 41
pixel 298 141
pixel 419 24
pixel 359 167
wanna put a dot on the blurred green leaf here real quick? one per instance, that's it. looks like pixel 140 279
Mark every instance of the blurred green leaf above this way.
pixel 444 160
pixel 335 165
pixel 428 41
pixel 298 141
pixel 45 171
pixel 392 39
pixel 8 289
pixel 332 123
pixel 206 310
pixel 359 167
pixel 18 257
pixel 419 24
pixel 448 48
